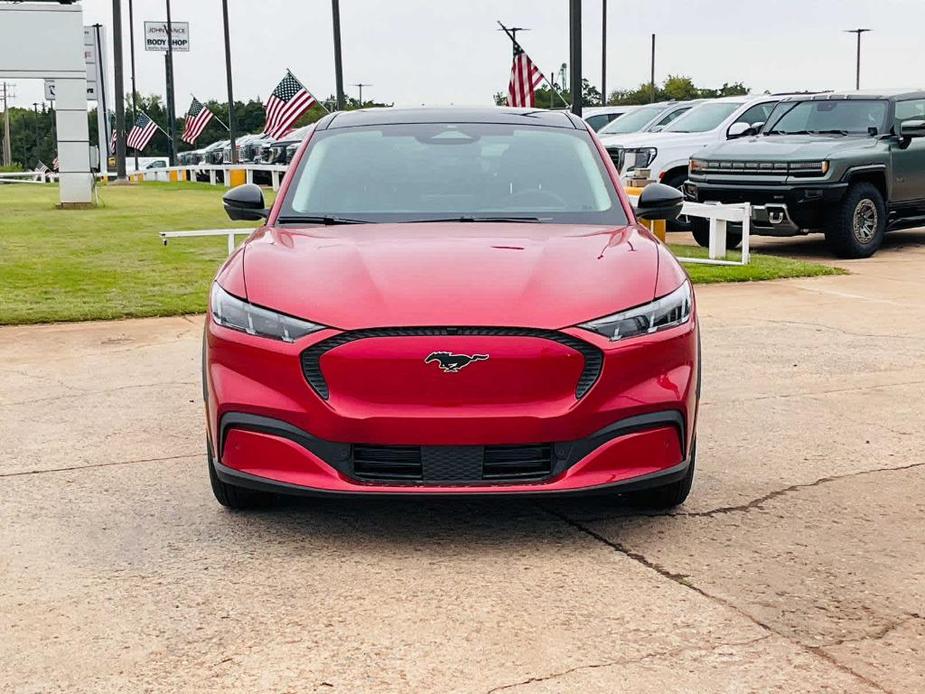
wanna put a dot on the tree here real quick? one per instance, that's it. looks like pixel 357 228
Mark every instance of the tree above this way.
pixel 674 88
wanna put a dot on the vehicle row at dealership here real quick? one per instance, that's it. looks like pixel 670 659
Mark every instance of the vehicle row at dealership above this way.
pixel 850 165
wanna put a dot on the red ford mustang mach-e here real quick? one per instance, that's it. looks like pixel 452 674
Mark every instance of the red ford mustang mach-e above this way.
pixel 451 301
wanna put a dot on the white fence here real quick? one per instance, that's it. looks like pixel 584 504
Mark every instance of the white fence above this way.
pixel 191 171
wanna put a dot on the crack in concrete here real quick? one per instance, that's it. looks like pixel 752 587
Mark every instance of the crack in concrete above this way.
pixel 754 503
pixel 834 391
pixel 821 327
pixel 686 582
pixel 24 473
pixel 628 661
pixel 877 635
pixel 85 393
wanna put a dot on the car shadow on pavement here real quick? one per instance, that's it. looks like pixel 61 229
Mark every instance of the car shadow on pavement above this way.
pixel 500 521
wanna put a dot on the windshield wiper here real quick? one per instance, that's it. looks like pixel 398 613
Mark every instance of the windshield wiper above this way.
pixel 469 218
pixel 828 132
pixel 790 132
pixel 327 220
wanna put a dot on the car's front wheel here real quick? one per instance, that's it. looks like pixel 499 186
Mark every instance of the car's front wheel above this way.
pixel 667 495
pixel 234 497
pixel 859 222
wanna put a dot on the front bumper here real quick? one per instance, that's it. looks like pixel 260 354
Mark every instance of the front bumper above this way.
pixel 272 425
pixel 264 454
pixel 777 210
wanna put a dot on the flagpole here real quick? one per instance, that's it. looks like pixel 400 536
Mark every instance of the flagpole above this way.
pixel 551 86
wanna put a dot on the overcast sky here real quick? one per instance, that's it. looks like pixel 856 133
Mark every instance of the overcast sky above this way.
pixel 447 51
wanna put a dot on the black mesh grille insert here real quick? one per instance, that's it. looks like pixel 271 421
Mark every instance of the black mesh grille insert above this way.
pixel 452 464
pixel 311 357
pixel 517 462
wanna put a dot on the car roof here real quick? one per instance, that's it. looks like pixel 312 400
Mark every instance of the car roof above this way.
pixel 500 115
pixel 891 94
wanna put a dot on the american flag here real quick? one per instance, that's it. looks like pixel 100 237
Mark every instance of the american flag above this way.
pixel 287 102
pixel 197 118
pixel 54 163
pixel 112 142
pixel 525 77
pixel 41 168
pixel 141 133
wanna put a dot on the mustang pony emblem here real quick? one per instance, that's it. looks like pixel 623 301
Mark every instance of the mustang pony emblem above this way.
pixel 451 363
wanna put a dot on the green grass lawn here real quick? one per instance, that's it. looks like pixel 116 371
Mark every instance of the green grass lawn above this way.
pixel 70 265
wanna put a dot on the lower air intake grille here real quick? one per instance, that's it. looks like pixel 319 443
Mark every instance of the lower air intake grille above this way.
pixel 452 464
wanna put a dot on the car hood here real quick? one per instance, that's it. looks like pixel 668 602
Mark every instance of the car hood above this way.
pixel 787 147
pixel 495 274
pixel 659 139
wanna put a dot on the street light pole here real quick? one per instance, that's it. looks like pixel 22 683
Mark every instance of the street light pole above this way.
pixel 857 77
pixel 231 123
pixel 35 108
pixel 131 40
pixel 575 54
pixel 338 63
pixel 119 96
pixel 360 85
pixel 171 110
pixel 603 52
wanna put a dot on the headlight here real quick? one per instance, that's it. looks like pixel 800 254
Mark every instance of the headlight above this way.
pixel 671 310
pixel 640 158
pixel 697 165
pixel 231 312
pixel 809 168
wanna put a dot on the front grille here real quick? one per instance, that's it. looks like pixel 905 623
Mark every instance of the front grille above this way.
pixel 311 357
pixel 452 464
pixel 617 156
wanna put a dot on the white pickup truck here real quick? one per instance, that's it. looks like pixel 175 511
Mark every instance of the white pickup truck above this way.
pixel 666 153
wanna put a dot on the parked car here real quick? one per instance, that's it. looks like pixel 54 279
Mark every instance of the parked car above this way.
pixel 503 323
pixel 667 152
pixel 282 151
pixel 212 155
pixel 850 165
pixel 651 118
pixel 599 116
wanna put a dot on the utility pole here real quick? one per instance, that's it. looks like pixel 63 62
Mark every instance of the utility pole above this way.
pixel 652 73
pixel 361 85
pixel 35 108
pixel 575 54
pixel 338 63
pixel 857 77
pixel 131 40
pixel 7 144
pixel 603 52
pixel 171 109
pixel 512 31
pixel 119 96
pixel 231 123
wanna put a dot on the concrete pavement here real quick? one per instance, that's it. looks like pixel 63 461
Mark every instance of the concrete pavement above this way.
pixel 796 565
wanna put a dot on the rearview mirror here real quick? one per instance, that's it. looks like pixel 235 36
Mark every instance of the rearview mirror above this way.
pixel 245 202
pixel 659 201
pixel 912 128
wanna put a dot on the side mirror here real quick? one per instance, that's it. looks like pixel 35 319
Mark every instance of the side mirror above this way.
pixel 738 130
pixel 659 201
pixel 912 128
pixel 245 202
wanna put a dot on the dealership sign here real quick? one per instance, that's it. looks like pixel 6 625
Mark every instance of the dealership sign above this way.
pixel 156 36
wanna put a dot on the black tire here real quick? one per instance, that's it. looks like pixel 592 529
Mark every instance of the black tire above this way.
pixel 858 222
pixel 234 497
pixel 668 495
pixel 682 223
pixel 700 230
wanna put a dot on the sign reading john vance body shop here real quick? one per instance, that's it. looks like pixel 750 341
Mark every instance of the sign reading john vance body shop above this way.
pixel 156 36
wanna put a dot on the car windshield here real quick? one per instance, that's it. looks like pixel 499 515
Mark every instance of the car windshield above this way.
pixel 632 122
pixel 837 117
pixel 702 118
pixel 453 171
